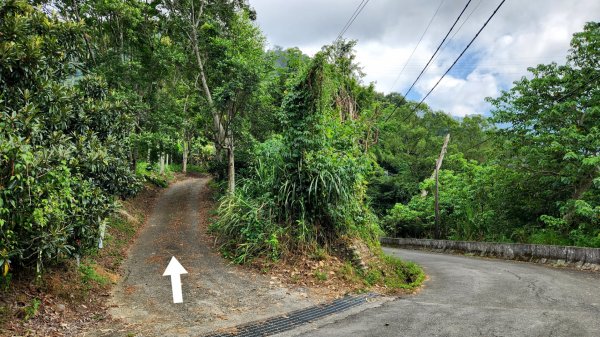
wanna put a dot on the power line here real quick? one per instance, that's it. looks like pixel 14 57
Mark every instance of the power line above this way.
pixel 568 94
pixel 353 17
pixel 459 28
pixel 450 68
pixel 438 48
pixel 418 43
pixel 348 22
pixel 461 54
pixel 430 59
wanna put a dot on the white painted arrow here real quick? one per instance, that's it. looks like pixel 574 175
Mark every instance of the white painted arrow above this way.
pixel 175 269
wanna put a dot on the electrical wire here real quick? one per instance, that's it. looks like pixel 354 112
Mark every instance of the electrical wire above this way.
pixel 458 30
pixel 418 43
pixel 438 48
pixel 353 17
pixel 461 54
pixel 448 70
pixel 429 62
pixel 568 94
pixel 348 22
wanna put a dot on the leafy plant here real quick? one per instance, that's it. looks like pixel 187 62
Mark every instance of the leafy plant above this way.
pixel 306 187
pixel 63 142
pixel 320 275
pixel 32 309
pixel 89 274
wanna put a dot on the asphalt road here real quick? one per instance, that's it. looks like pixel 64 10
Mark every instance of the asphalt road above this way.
pixel 468 296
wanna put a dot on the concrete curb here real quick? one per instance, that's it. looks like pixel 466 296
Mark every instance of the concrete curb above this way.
pixel 578 257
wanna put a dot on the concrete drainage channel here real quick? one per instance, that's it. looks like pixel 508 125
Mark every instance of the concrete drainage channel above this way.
pixel 294 319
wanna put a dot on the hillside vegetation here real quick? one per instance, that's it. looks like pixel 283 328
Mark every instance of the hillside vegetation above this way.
pixel 97 97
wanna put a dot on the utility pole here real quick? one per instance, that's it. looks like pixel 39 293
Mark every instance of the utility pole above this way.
pixel 438 165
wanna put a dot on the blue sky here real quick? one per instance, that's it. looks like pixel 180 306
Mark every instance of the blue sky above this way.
pixel 523 33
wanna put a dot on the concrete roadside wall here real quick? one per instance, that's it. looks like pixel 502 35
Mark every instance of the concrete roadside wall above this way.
pixel 582 258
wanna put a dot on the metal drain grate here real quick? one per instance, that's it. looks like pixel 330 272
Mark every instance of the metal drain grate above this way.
pixel 294 319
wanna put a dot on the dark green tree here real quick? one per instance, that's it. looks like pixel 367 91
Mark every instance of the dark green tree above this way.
pixel 61 134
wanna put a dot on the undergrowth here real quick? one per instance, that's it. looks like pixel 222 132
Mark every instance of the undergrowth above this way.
pixel 304 192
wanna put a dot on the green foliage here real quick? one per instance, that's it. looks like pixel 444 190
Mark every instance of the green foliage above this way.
pixel 373 276
pixel 191 168
pixel 62 137
pixel 152 174
pixel 536 181
pixel 401 220
pixel 409 144
pixel 553 141
pixel 32 309
pixel 322 183
pixel 88 274
pixel 248 226
pixel 320 275
pixel 307 186
pixel 5 280
pixel 404 275
pixel 390 272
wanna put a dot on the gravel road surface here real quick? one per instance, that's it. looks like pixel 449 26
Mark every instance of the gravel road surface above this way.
pixel 215 294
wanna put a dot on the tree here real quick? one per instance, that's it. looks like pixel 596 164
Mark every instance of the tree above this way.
pixel 222 38
pixel 539 181
pixel 553 136
pixel 308 185
pixel 62 159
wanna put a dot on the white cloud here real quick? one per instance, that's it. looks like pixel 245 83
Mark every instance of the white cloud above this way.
pixel 522 34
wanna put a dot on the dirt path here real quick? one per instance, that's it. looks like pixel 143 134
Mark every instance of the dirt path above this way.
pixel 216 295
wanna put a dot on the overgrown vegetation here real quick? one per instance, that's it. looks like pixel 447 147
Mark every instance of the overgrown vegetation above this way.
pixel 535 179
pixel 307 186
pixel 98 97
pixel 85 89
pixel 71 297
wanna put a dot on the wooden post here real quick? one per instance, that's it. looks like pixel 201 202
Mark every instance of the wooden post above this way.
pixel 437 207
pixel 436 171
pixel 438 162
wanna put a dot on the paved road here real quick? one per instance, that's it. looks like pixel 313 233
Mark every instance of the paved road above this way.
pixel 468 296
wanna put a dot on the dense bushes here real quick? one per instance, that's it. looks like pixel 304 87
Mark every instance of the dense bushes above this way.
pixel 535 179
pixel 62 137
pixel 306 187
pixel 490 203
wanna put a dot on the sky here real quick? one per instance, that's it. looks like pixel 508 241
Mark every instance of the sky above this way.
pixel 523 33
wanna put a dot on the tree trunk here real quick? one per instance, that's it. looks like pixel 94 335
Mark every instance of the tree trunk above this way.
pixel 185 155
pixel 162 163
pixel 230 168
pixel 148 155
pixel 223 139
pixel 217 124
pixel 134 156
